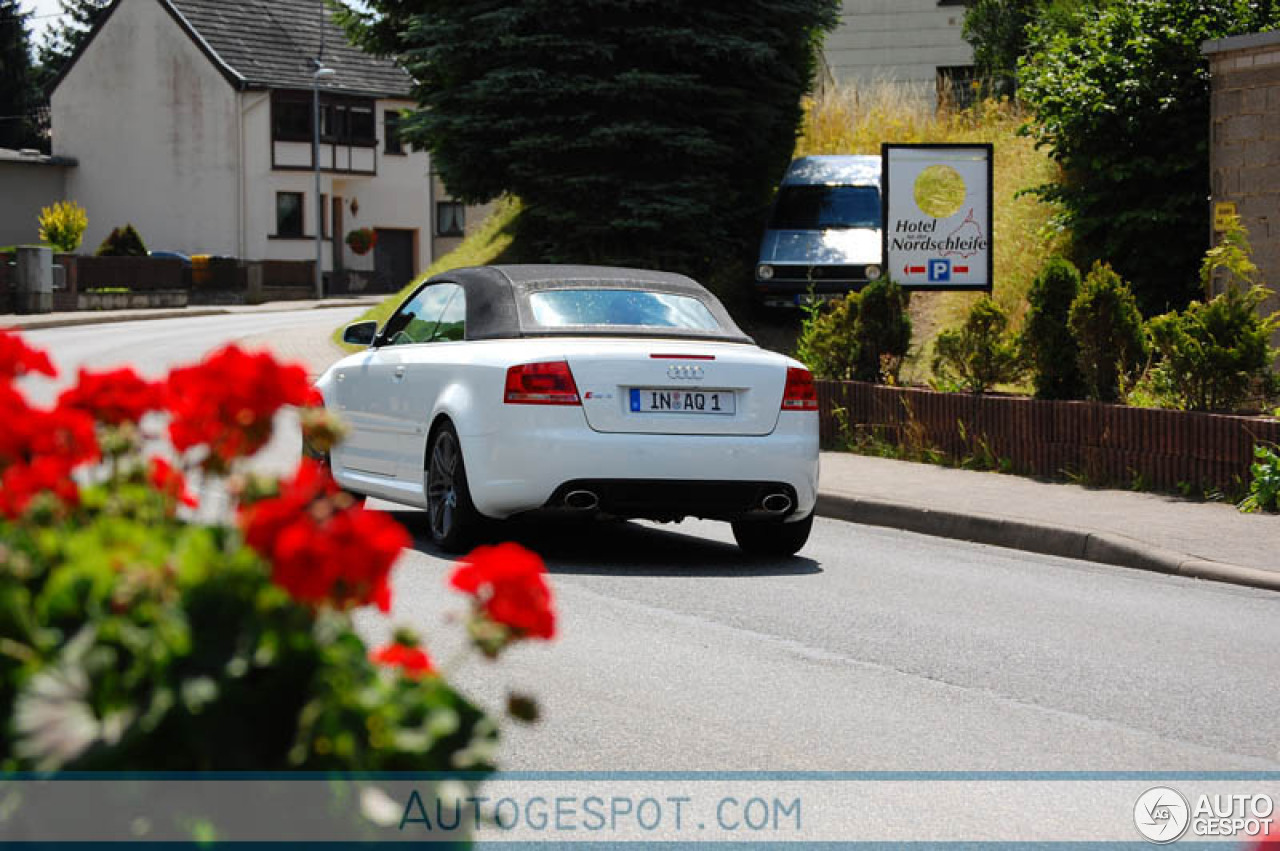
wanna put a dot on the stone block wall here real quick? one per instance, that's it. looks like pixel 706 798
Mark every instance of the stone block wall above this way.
pixel 1245 142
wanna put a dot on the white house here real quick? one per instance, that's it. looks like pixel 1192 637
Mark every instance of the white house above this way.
pixel 192 119
pixel 913 42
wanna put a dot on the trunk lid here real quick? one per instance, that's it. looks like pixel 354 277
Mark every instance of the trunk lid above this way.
pixel 673 387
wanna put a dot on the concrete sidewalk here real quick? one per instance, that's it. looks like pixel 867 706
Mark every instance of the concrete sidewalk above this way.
pixel 1136 530
pixel 40 321
pixel 1147 531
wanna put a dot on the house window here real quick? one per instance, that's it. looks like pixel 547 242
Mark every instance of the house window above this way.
pixel 290 118
pixel 392 121
pixel 324 216
pixel 289 214
pixel 343 120
pixel 360 127
pixel 959 86
pixel 333 122
pixel 451 218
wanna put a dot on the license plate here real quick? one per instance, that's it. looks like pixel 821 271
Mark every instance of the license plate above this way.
pixel 801 299
pixel 651 400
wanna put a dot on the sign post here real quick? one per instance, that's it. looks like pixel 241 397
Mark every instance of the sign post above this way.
pixel 937 216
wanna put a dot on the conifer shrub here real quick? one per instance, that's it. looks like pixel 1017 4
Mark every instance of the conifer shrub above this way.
pixel 979 354
pixel 1109 333
pixel 123 242
pixel 862 337
pixel 827 344
pixel 1047 345
pixel 882 331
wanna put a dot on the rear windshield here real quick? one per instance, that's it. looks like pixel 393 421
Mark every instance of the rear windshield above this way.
pixel 824 207
pixel 584 307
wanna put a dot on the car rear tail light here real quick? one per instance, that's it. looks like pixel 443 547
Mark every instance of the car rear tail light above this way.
pixel 800 394
pixel 541 384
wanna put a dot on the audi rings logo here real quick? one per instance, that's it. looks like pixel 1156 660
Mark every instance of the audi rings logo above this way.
pixel 1162 815
pixel 682 370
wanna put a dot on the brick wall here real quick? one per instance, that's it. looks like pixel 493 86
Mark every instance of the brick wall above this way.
pixel 1104 444
pixel 1245 142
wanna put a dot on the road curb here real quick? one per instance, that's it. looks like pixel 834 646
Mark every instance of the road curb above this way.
pixel 112 319
pixel 1045 539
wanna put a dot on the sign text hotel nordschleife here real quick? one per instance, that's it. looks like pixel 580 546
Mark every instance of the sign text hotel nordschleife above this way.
pixel 937 216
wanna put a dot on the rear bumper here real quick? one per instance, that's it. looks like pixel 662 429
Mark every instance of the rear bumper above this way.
pixel 511 472
pixel 782 292
pixel 663 499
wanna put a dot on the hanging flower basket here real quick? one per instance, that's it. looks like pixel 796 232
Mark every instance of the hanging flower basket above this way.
pixel 362 240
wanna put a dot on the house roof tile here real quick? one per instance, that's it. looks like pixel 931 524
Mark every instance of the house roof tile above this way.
pixel 273 44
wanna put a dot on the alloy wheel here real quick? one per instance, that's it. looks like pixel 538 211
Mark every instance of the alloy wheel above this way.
pixel 442 485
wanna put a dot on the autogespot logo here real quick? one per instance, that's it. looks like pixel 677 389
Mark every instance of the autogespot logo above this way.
pixel 1162 815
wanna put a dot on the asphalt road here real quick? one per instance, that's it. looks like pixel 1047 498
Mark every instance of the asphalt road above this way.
pixel 874 650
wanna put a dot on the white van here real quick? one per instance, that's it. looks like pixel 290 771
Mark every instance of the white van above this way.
pixel 824 231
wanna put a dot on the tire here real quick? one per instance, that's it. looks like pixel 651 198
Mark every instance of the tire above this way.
pixel 452 519
pixel 770 537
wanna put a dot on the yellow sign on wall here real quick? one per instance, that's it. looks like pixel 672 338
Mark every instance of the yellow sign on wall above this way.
pixel 1223 212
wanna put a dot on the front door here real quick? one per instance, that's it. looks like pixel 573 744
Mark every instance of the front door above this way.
pixel 372 393
pixel 337 233
pixel 393 258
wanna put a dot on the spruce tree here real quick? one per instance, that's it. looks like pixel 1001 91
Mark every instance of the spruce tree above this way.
pixel 68 32
pixel 18 100
pixel 634 132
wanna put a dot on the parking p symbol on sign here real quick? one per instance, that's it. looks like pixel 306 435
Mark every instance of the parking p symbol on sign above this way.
pixel 940 271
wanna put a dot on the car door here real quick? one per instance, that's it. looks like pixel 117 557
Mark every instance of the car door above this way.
pixel 371 393
pixel 420 376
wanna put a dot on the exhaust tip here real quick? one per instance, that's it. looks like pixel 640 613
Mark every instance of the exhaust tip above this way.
pixel 581 500
pixel 776 503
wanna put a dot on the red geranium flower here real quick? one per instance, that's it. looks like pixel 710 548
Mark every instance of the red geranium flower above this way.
pixel 18 359
pixel 15 435
pixel 21 483
pixel 509 585
pixel 114 397
pixel 39 449
pixel 228 402
pixel 412 660
pixel 321 552
pixel 169 481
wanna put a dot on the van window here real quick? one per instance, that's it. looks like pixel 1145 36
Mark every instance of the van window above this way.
pixel 824 207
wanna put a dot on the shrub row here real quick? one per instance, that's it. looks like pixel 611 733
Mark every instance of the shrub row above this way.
pixel 1086 339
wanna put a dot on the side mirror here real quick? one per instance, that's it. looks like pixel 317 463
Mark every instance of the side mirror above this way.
pixel 360 333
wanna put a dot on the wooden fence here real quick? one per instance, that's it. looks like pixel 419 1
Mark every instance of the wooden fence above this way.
pixel 213 280
pixel 214 275
pixel 137 274
pixel 1103 444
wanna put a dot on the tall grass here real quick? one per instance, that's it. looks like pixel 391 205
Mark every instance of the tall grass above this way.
pixel 857 119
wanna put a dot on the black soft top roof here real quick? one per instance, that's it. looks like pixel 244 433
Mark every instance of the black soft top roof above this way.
pixel 498 303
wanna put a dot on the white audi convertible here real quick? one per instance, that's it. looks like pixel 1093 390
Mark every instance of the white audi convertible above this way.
pixel 497 391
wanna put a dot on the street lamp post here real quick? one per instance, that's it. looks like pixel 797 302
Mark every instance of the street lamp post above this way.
pixel 321 73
